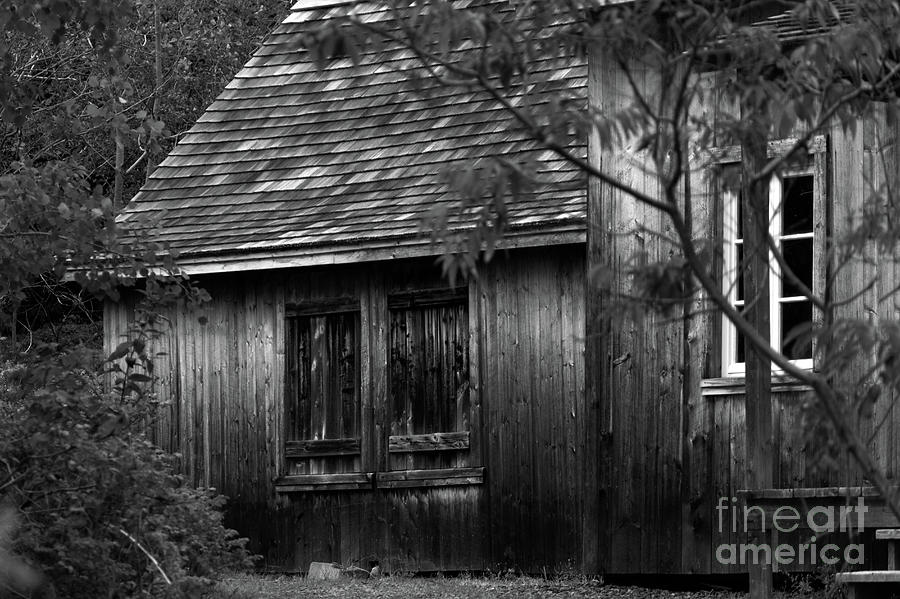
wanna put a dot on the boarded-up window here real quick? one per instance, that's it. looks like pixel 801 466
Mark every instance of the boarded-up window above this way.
pixel 429 364
pixel 322 388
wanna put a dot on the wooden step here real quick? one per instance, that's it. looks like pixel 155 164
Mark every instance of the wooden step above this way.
pixel 869 584
pixel 868 576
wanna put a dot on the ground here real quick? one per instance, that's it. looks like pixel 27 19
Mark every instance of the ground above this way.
pixel 465 587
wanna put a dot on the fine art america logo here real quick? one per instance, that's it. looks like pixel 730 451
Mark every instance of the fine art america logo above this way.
pixel 787 519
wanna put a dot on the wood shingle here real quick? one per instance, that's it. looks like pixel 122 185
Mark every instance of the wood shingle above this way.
pixel 294 158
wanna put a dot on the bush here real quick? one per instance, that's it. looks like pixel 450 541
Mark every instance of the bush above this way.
pixel 102 512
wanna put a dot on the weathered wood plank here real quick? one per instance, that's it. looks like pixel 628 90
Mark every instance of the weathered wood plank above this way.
pixel 774 148
pixel 868 576
pixel 850 279
pixel 430 482
pixel 430 473
pixel 321 447
pixel 429 442
pixel 367 321
pixel 773 495
pixel 319 307
pixel 327 479
pixel 323 486
pixel 216 367
pixel 379 343
pixel 737 386
pixel 476 372
pixel 438 477
pixel 275 401
pixel 261 343
pixel 427 297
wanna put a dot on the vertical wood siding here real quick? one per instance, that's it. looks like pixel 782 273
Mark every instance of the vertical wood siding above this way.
pixel 639 358
pixel 226 374
pixel 718 465
pixel 531 317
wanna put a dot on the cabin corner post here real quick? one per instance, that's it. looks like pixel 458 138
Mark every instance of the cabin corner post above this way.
pixel 758 396
pixel 594 529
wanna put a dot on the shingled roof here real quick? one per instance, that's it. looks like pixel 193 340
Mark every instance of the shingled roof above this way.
pixel 789 29
pixel 293 165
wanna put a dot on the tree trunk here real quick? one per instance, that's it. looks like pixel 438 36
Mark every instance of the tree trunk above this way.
pixel 157 49
pixel 758 391
pixel 119 166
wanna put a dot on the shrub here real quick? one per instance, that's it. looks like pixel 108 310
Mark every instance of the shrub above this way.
pixel 102 511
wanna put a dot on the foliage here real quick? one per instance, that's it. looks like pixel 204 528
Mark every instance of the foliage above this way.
pixel 60 246
pixel 99 502
pixel 465 586
pixel 89 92
pixel 43 21
pixel 94 498
pixel 92 94
pixel 819 583
pixel 110 108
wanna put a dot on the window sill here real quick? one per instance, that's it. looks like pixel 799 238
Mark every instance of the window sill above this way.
pixel 351 481
pixel 369 481
pixel 735 385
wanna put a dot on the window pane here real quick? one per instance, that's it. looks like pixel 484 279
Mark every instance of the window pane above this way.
pixel 429 369
pixel 739 272
pixel 795 327
pixel 797 205
pixel 798 254
pixel 740 357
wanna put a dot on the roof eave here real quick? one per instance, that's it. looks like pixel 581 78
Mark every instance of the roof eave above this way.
pixel 393 249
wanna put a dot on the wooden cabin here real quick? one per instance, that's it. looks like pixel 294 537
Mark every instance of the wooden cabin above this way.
pixel 355 406
pixel 350 402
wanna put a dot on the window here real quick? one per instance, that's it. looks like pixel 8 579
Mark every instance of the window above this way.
pixel 322 390
pixel 429 379
pixel 411 431
pixel 796 213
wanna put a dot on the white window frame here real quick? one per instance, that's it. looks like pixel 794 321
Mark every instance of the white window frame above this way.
pixel 816 168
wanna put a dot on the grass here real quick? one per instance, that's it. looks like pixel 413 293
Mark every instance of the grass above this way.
pixel 463 587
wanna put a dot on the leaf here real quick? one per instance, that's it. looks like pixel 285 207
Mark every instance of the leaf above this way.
pixel 121 350
pixel 111 425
